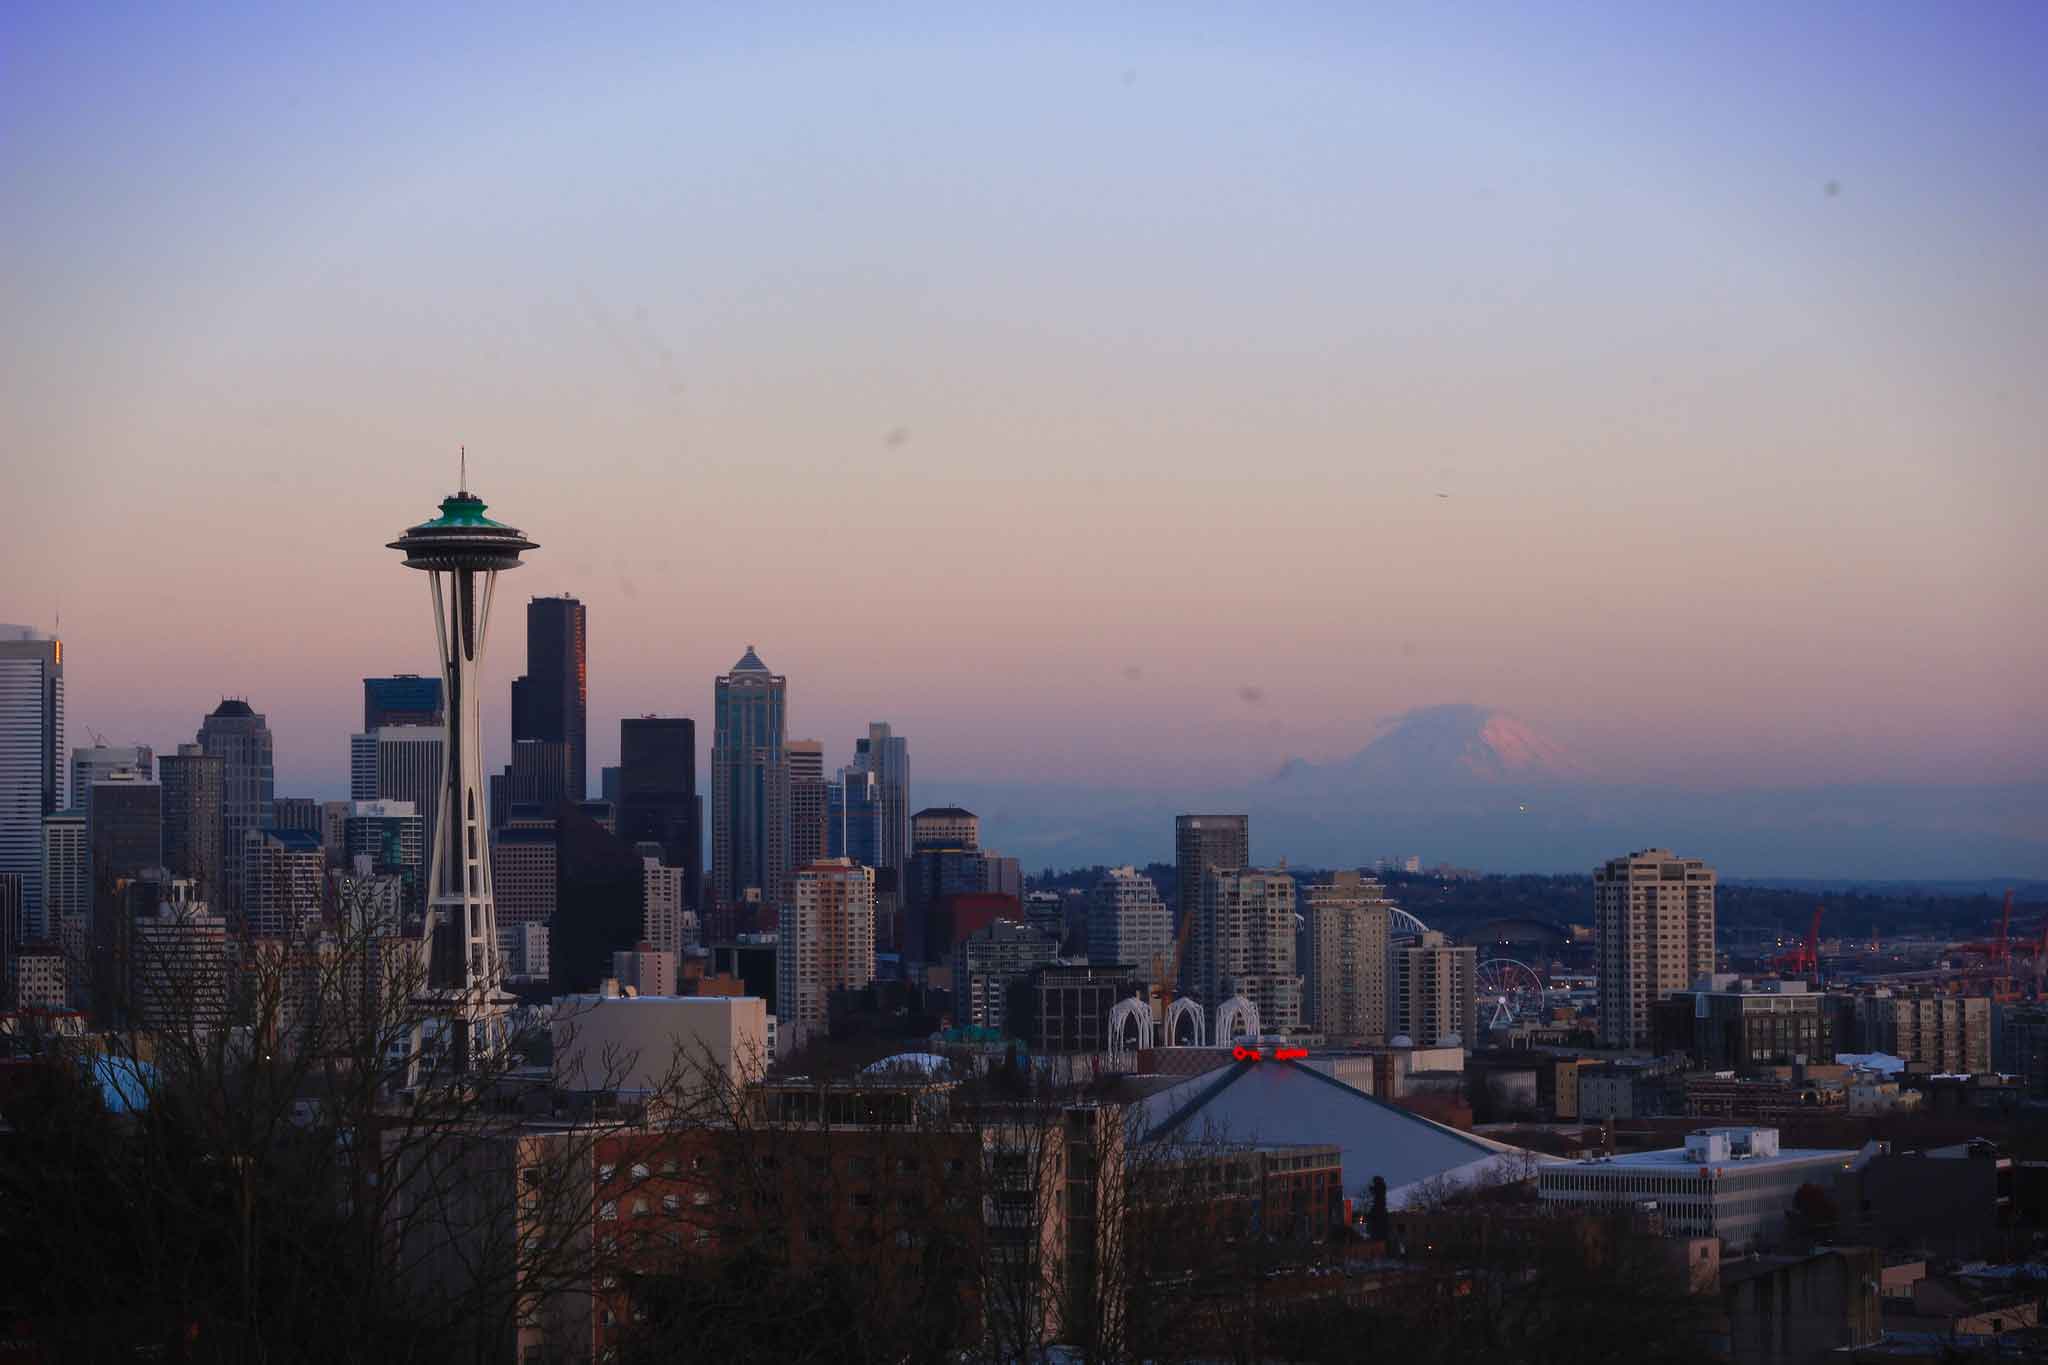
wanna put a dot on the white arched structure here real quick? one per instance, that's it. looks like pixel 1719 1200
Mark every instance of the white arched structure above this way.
pixel 1404 924
pixel 1236 1017
pixel 1121 1015
pixel 1191 1010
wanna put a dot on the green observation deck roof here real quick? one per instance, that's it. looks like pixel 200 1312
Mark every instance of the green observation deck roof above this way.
pixel 461 510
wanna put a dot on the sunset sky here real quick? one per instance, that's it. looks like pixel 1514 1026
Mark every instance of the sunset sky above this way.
pixel 1077 393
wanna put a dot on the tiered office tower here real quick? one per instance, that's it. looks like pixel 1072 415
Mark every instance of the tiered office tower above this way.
pixel 1127 922
pixel 1344 972
pixel 236 734
pixel 749 784
pixel 1653 927
pixel 462 552
pixel 551 703
pixel 31 760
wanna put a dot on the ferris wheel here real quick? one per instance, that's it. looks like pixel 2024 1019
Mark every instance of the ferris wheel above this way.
pixel 1509 992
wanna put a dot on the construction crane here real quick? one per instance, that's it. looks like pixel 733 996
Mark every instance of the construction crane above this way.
pixel 1805 959
pixel 1167 974
pixel 1998 952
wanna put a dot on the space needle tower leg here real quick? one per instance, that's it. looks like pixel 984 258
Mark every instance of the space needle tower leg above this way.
pixel 462 552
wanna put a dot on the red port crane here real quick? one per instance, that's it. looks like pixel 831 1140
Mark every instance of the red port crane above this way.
pixel 1805 959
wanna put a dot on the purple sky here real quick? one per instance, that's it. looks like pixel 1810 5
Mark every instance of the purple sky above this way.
pixel 1077 394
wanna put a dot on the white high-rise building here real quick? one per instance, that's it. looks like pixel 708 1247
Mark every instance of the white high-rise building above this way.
pixel 1246 934
pixel 1432 993
pixel 825 942
pixel 31 766
pixel 1128 922
pixel 401 763
pixel 66 873
pixel 1653 930
pixel 664 906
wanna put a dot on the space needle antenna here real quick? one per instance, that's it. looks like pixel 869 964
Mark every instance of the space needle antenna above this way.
pixel 463 483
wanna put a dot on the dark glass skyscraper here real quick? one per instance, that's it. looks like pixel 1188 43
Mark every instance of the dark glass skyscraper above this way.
pixel 658 793
pixel 237 735
pixel 407 699
pixel 551 702
pixel 887 756
pixel 749 783
pixel 192 819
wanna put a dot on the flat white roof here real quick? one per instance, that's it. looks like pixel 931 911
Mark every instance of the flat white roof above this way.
pixel 1676 1157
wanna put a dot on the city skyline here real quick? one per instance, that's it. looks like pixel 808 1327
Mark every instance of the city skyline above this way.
pixel 1491 361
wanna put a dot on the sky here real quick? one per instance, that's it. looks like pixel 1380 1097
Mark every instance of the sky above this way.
pixel 1135 400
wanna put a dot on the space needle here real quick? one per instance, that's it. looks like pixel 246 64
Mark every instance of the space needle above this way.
pixel 461 552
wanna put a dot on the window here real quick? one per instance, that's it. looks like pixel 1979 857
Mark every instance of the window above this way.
pixel 671 1204
pixel 640 1171
pixel 608 1210
pixel 606 1172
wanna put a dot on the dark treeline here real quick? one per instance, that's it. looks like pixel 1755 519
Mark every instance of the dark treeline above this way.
pixel 1458 903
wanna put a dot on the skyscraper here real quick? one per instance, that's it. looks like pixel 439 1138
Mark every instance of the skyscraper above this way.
pixel 825 941
pixel 1203 845
pixel 1344 973
pixel 31 757
pixel 402 763
pixel 407 699
pixel 658 793
pixel 124 830
pixel 807 833
pixel 749 783
pixel 1653 931
pixel 66 874
pixel 988 961
pixel 887 756
pixel 1128 923
pixel 90 765
pixel 1246 940
pixel 392 836
pixel 237 735
pixel 193 794
pixel 455 550
pixel 283 874
pixel 853 812
pixel 550 702
pixel 125 839
pixel 1433 992
pixel 298 812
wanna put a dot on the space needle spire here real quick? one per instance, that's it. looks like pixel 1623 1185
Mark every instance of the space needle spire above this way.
pixel 462 551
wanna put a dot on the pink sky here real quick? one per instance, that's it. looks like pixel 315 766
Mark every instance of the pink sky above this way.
pixel 1736 396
